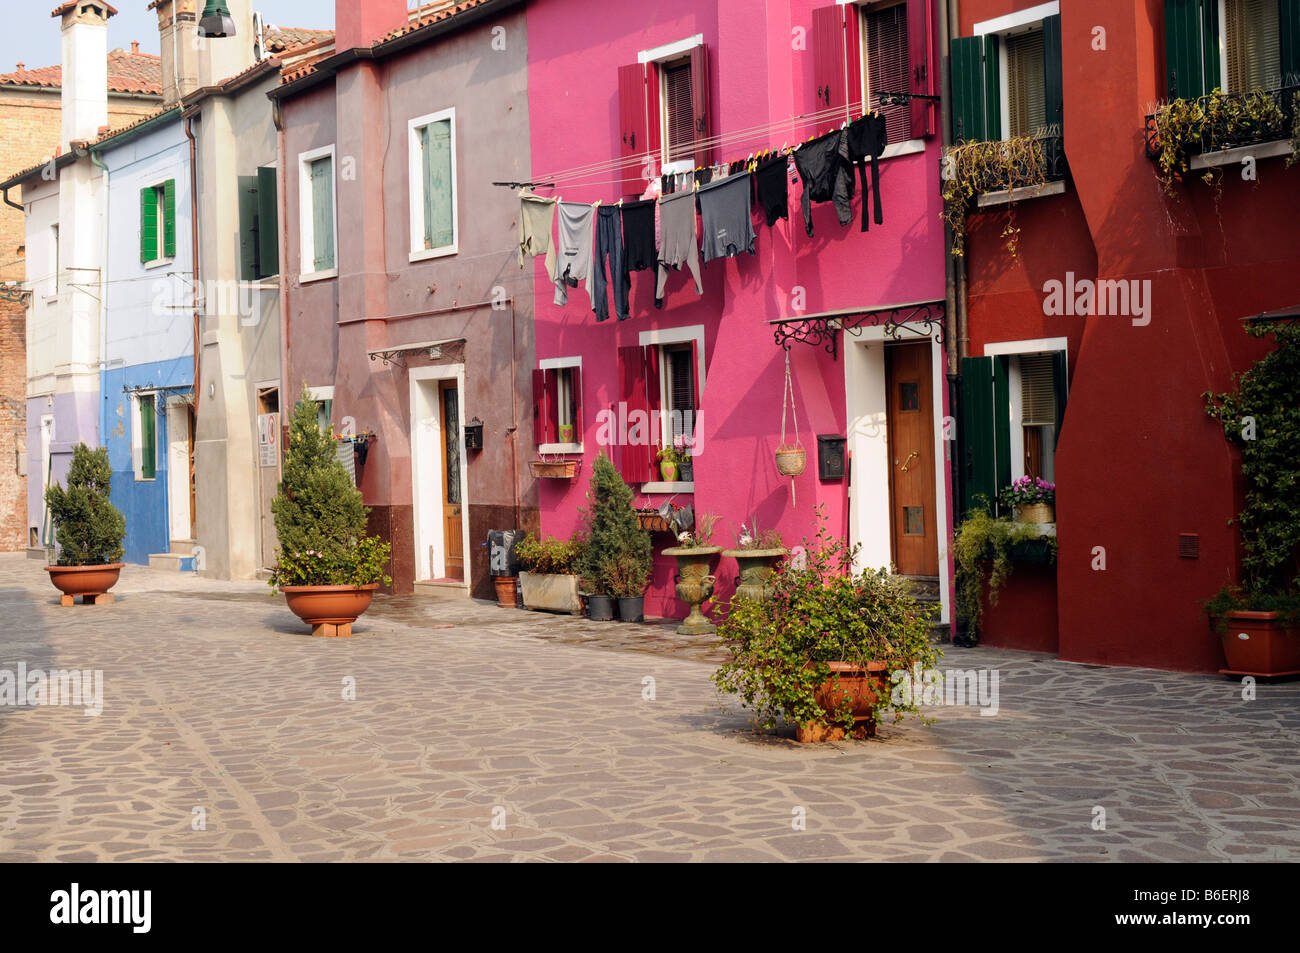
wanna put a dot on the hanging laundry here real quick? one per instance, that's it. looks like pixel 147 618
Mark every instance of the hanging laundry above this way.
pixel 771 189
pixel 678 246
pixel 703 176
pixel 867 139
pixel 576 225
pixel 827 175
pixel 640 250
pixel 668 184
pixel 726 217
pixel 536 216
pixel 609 246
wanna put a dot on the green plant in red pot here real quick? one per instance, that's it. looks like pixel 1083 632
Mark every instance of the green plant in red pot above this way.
pixel 548 577
pixel 1258 621
pixel 327 567
pixel 89 529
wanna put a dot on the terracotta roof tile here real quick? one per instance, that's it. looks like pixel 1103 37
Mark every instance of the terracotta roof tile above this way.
pixel 65 7
pixel 127 73
pixel 279 39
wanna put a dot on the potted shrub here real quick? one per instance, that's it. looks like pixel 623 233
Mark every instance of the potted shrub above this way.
pixel 327 567
pixel 757 555
pixel 1032 500
pixel 548 573
pixel 89 530
pixel 1258 622
pixel 616 563
pixel 697 561
pixel 819 651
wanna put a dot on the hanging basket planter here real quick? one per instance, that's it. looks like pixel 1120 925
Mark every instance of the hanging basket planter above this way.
pixel 790 458
pixel 790 461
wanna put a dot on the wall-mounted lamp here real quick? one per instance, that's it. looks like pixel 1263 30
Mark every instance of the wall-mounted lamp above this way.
pixel 217 21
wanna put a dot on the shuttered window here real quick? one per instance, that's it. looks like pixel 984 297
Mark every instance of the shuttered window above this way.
pixel 147 404
pixel 1026 103
pixel 1037 391
pixel 158 222
pixel 884 35
pixel 1251 44
pixel 679 120
pixel 322 213
pixel 679 368
pixel 437 199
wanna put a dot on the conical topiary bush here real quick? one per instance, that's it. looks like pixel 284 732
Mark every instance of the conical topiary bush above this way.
pixel 618 555
pixel 88 526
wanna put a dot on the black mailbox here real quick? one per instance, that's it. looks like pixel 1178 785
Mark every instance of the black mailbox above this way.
pixel 830 456
pixel 474 435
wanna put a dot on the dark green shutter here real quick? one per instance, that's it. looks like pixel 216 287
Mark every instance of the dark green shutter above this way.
pixel 1191 48
pixel 1002 419
pixel 268 223
pixel 967 66
pixel 169 218
pixel 977 438
pixel 1053 87
pixel 148 437
pixel 992 90
pixel 148 225
pixel 1061 385
pixel 248 228
pixel 1288 28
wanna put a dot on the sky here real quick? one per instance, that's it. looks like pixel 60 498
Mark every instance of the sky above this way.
pixel 31 35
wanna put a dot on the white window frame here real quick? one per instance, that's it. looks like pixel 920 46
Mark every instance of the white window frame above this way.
pixel 658 338
pixel 416 191
pixel 659 55
pixel 908 146
pixel 1016 349
pixel 1022 21
pixel 555 364
pixel 306 219
pixel 137 436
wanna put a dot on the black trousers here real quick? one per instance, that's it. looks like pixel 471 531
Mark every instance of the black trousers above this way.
pixel 609 245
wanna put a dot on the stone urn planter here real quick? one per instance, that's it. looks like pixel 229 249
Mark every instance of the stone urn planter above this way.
pixel 858 685
pixel 756 568
pixel 1258 643
pixel 90 582
pixel 695 579
pixel 329 610
pixel 551 592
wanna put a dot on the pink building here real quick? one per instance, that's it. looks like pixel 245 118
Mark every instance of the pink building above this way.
pixel 615 101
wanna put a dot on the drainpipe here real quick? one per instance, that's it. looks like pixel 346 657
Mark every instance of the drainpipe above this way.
pixel 277 118
pixel 945 138
pixel 514 418
pixel 188 115
pixel 103 303
pixel 963 326
pixel 11 203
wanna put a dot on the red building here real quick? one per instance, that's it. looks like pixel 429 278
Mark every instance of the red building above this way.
pixel 1085 353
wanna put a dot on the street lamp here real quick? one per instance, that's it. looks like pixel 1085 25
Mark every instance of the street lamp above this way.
pixel 216 21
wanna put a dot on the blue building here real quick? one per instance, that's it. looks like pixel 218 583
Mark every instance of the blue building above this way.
pixel 147 338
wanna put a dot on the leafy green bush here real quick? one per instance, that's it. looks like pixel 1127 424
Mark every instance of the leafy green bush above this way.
pixel 90 528
pixel 823 612
pixel 319 516
pixel 1261 417
pixel 550 556
pixel 983 538
pixel 618 553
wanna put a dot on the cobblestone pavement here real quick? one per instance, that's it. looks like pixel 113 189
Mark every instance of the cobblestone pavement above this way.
pixel 216 698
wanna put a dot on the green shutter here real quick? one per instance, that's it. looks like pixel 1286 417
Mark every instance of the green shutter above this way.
pixel 992 90
pixel 322 196
pixel 1053 91
pixel 268 223
pixel 1002 419
pixel 247 228
pixel 1288 28
pixel 977 438
pixel 169 218
pixel 439 227
pixel 1061 385
pixel 148 225
pixel 967 59
pixel 1191 48
pixel 148 437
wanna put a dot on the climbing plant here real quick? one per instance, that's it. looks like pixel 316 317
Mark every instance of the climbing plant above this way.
pixel 970 168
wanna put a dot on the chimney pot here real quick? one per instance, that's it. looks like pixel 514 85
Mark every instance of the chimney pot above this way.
pixel 135 47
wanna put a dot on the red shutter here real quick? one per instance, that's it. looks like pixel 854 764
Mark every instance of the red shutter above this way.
pixel 575 397
pixel 632 111
pixel 633 458
pixel 551 386
pixel 695 385
pixel 539 407
pixel 653 399
pixel 828 59
pixel 852 42
pixel 920 42
pixel 700 104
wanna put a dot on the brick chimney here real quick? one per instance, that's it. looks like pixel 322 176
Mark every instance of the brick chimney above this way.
pixel 85 68
pixel 361 24
pixel 178 26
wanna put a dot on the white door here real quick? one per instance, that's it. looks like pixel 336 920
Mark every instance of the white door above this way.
pixel 178 469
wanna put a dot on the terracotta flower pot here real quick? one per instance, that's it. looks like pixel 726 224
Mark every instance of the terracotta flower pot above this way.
pixel 507 589
pixel 90 582
pixel 329 610
pixel 855 684
pixel 1259 643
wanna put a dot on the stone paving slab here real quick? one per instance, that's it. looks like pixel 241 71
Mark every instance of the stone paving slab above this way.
pixel 217 698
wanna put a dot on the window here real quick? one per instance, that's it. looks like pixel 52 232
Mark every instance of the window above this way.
pixel 1006 79
pixel 660 382
pixel 145 445
pixel 1037 416
pixel 158 222
pixel 557 406
pixel 1232 45
pixel 259 234
pixel 885 56
pixel 433 185
pixel 317 221
pixel 324 398
pixel 664 117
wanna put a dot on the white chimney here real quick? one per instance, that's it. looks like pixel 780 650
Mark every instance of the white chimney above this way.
pixel 178 30
pixel 85 68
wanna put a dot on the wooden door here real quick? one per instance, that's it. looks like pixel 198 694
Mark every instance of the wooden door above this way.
pixel 910 422
pixel 449 414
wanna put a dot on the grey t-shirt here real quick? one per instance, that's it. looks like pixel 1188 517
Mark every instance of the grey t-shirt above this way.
pixel 725 216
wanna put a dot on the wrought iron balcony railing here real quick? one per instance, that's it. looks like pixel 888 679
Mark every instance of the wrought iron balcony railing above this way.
pixel 1229 120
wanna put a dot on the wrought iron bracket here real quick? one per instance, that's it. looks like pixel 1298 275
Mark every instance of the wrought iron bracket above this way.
pixel 14 293
pixel 922 319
